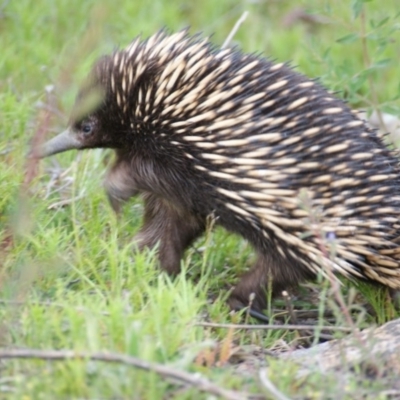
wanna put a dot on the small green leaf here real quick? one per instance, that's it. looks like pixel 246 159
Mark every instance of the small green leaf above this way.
pixel 357 6
pixel 381 63
pixel 382 22
pixel 352 37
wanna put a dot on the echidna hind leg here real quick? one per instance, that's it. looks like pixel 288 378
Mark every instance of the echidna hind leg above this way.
pixel 267 275
pixel 171 229
pixel 255 283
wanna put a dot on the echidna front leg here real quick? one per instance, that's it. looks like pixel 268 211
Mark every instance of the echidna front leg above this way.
pixel 172 229
pixel 119 185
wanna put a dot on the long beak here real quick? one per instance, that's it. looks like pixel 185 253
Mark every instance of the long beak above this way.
pixel 66 140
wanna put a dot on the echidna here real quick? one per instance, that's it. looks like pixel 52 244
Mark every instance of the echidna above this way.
pixel 201 131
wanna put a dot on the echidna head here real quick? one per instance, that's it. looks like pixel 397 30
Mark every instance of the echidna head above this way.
pixel 90 120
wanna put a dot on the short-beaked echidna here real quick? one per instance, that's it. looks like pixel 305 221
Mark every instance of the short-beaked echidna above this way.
pixel 201 131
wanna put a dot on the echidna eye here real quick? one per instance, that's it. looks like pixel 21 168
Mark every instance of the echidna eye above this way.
pixel 86 128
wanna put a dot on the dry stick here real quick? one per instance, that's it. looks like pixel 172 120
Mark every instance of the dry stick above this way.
pixel 31 167
pixel 30 172
pixel 367 64
pixel 301 313
pixel 289 307
pixel 269 386
pixel 274 327
pixel 196 380
pixel 235 29
pixel 333 280
pixel 337 293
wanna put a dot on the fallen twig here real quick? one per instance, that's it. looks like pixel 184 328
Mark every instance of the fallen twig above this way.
pixel 269 386
pixel 275 327
pixel 196 380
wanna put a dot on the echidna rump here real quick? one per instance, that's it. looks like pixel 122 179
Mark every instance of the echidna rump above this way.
pixel 201 131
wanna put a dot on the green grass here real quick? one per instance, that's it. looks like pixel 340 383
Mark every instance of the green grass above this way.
pixel 70 277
